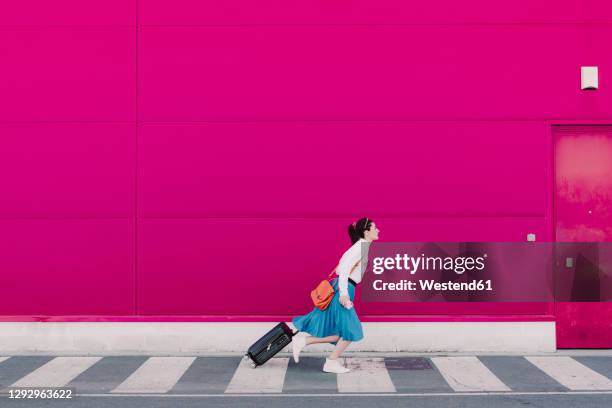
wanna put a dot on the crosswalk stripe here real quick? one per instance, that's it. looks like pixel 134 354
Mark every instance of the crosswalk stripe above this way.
pixel 571 373
pixel 519 374
pixel 57 372
pixel 107 374
pixel 267 378
pixel 3 358
pixel 467 373
pixel 366 375
pixel 156 375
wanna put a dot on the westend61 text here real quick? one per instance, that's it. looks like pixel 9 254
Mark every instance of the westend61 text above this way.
pixel 430 284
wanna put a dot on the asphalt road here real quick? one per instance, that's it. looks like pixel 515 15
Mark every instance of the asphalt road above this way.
pixel 418 381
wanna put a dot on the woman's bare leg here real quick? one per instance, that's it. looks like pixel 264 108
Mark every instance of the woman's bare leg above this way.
pixel 315 340
pixel 340 347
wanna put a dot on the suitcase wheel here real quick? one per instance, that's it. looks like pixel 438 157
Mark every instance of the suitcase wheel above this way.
pixel 252 364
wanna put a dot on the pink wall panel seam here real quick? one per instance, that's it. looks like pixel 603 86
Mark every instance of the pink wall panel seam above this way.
pixel 136 163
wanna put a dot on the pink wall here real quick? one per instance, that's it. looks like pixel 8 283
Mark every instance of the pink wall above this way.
pixel 153 150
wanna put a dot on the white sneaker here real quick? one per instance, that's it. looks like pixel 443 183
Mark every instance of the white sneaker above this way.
pixel 299 342
pixel 334 366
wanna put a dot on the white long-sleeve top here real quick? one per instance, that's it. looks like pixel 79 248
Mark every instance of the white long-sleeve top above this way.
pixel 353 255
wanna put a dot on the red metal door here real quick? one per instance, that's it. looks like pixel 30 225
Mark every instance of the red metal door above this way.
pixel 583 213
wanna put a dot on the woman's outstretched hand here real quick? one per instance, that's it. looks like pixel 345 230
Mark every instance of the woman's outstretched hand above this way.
pixel 346 301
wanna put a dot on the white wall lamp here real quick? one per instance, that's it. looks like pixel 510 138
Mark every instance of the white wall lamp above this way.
pixel 589 78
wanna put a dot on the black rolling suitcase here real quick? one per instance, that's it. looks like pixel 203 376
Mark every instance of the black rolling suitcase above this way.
pixel 271 343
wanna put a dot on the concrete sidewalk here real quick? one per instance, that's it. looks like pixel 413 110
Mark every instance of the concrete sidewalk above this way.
pixel 199 338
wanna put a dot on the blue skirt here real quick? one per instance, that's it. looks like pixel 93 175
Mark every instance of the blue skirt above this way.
pixel 336 320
